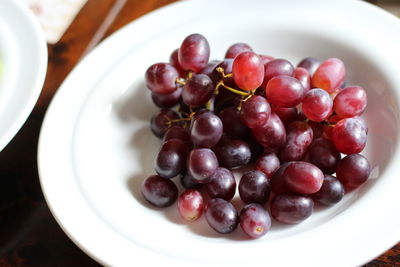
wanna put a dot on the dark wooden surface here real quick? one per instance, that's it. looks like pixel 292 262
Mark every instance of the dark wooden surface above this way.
pixel 29 235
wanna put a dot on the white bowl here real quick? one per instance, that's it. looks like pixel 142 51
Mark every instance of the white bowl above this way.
pixel 23 53
pixel 96 147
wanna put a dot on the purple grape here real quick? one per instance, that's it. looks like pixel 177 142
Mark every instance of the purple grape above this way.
pixel 177 132
pixel 206 130
pixel 303 177
pixel 278 183
pixel 188 182
pixel 159 191
pixel 161 77
pixel 201 164
pixel 254 187
pixel 167 100
pixel 287 115
pixel 310 64
pixel 350 135
pixel 268 163
pixel 210 67
pixel 159 122
pixel 304 78
pixel 255 111
pixel 236 49
pixel 324 155
pixel 255 148
pixel 171 158
pixel 271 135
pixel 317 105
pixel 221 215
pixel 291 208
pixel 299 138
pixel 254 220
pixel 275 68
pixel 222 184
pixel 331 192
pixel 226 65
pixel 353 170
pixel 194 53
pixel 232 153
pixel 173 60
pixel 233 126
pixel 197 90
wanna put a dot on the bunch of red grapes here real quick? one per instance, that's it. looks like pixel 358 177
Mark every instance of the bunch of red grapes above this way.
pixel 292 127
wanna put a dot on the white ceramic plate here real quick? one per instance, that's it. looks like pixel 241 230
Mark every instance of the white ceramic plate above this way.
pixel 96 147
pixel 23 56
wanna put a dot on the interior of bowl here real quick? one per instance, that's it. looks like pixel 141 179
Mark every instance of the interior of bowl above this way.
pixel 114 149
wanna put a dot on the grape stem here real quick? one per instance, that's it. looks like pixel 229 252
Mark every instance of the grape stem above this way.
pixel 221 83
pixel 180 81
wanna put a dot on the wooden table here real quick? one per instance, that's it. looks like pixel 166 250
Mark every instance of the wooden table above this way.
pixel 29 235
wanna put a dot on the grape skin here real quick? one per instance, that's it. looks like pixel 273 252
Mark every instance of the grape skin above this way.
pixel 299 138
pixel 158 191
pixel 194 53
pixel 221 215
pixel 284 91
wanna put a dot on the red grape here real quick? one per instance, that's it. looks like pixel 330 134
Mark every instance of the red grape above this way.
pixel 350 135
pixel 173 60
pixel 221 215
pixel 271 135
pixel 222 184
pixel 159 191
pixel 324 155
pixel 161 77
pixel 197 90
pixel 328 129
pixel 206 130
pixel 284 91
pixel 232 153
pixel 310 64
pixel 188 182
pixel 191 205
pixel 268 163
pixel 317 105
pixel 171 158
pixel 255 111
pixel 254 187
pixel 331 192
pixel 304 77
pixel 159 122
pixel 177 132
pixel 237 49
pixel 209 68
pixel 287 115
pixel 201 164
pixel 265 59
pixel 291 208
pixel 353 170
pixel 330 75
pixel 275 68
pixel 278 183
pixel 194 53
pixel 226 65
pixel 231 122
pixel 350 101
pixel 254 220
pixel 303 177
pixel 299 138
pixel 167 100
pixel 248 71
